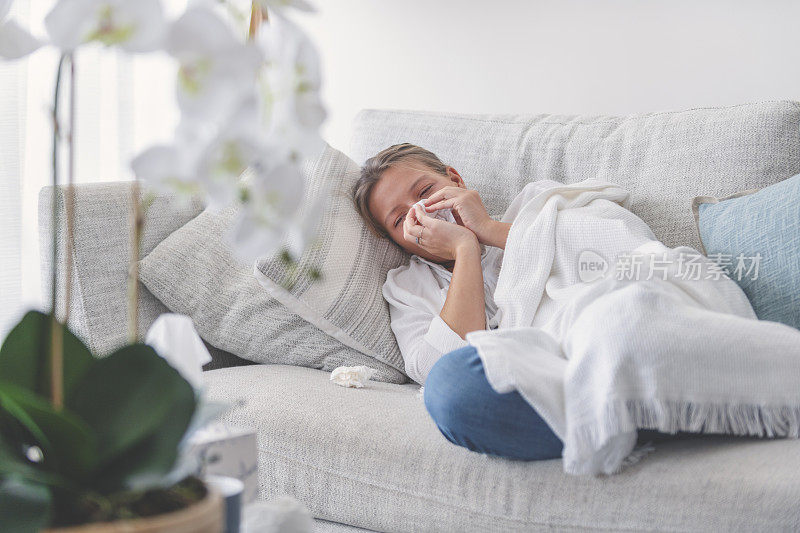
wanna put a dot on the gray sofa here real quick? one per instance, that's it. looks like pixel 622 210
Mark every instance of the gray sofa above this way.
pixel 372 458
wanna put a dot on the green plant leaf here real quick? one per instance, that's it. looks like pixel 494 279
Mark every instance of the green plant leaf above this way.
pixel 13 463
pixel 25 355
pixel 143 466
pixel 24 506
pixel 67 444
pixel 139 408
pixel 17 411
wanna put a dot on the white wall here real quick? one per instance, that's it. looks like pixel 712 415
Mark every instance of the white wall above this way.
pixel 552 56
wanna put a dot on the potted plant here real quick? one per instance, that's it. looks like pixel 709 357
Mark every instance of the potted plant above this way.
pixel 103 448
pixel 94 444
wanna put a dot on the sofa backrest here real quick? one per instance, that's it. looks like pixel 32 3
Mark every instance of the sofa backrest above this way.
pixel 101 256
pixel 664 159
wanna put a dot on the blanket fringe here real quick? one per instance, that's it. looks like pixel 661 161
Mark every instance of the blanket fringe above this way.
pixel 637 454
pixel 597 448
pixel 736 419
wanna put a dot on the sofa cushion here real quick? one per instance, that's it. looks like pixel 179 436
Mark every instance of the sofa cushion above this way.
pixel 664 159
pixel 373 458
pixel 347 302
pixel 194 272
pixel 755 237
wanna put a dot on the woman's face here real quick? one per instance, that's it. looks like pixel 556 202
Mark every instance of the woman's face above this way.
pixel 400 187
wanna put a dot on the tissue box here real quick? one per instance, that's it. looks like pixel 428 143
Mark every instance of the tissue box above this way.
pixel 228 451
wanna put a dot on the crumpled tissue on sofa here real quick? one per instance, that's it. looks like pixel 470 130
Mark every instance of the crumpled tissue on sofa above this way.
pixel 352 376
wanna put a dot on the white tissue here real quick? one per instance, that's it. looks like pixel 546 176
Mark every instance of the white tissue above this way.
pixel 441 214
pixel 284 514
pixel 352 376
pixel 174 338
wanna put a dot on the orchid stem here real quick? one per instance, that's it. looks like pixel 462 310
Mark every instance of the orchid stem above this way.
pixel 56 333
pixel 133 270
pixel 70 196
pixel 258 15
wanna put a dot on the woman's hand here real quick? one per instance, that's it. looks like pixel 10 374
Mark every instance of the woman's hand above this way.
pixel 438 237
pixel 467 208
pixel 466 204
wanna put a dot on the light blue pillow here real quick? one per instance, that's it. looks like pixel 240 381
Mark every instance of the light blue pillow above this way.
pixel 761 229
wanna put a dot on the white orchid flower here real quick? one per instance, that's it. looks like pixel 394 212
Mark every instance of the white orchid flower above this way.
pixel 270 198
pixel 238 146
pixel 295 121
pixel 133 25
pixel 216 69
pixel 303 230
pixel 224 163
pixel 194 134
pixel 15 41
pixel 172 168
pixel 290 87
pixel 167 169
pixel 281 5
pixel 240 10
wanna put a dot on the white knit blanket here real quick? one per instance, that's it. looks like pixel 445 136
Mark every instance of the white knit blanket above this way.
pixel 674 346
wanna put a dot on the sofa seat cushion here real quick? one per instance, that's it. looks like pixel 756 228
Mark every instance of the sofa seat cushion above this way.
pixel 373 458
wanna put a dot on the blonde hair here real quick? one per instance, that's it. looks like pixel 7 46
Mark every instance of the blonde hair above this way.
pixel 373 169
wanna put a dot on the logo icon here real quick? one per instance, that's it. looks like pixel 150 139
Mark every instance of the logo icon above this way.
pixel 591 266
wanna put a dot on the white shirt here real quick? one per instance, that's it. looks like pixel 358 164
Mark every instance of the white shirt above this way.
pixel 416 293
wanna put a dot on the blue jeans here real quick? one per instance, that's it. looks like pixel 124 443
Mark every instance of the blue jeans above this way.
pixel 470 413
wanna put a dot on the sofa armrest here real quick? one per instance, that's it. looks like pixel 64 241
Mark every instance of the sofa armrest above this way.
pixel 101 255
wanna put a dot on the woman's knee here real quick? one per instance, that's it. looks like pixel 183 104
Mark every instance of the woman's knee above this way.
pixel 469 413
pixel 447 390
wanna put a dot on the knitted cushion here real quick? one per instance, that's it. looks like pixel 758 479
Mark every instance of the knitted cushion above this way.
pixel 194 272
pixel 347 302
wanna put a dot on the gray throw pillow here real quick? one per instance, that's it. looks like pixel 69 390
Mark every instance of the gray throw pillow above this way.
pixel 347 302
pixel 194 272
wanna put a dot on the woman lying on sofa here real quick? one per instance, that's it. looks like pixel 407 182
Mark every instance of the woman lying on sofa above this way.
pixel 445 292
pixel 462 260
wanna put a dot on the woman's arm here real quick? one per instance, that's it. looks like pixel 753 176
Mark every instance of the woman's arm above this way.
pixel 422 336
pixel 463 309
pixel 495 234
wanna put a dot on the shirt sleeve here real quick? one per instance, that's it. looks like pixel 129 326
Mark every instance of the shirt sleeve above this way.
pixel 442 337
pixel 422 336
